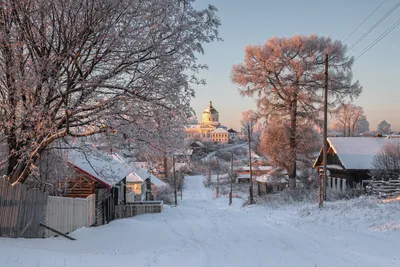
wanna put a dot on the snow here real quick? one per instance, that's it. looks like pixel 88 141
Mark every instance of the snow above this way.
pixel 358 152
pixel 260 168
pixel 332 166
pixel 266 178
pixel 204 231
pixel 220 130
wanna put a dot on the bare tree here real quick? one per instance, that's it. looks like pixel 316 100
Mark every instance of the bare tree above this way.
pixel 77 68
pixel 286 76
pixel 350 120
pixel 386 163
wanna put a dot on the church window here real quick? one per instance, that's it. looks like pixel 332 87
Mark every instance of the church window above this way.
pixel 209 119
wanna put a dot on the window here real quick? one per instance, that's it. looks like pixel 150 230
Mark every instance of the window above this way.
pixel 209 119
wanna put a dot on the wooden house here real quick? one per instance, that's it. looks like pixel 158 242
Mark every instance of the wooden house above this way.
pixel 98 172
pixel 243 173
pixel 198 148
pixel 267 184
pixel 349 160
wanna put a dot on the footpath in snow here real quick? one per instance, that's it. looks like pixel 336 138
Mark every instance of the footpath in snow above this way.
pixel 204 231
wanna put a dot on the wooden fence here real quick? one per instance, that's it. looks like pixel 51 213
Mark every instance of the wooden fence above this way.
pixel 133 209
pixel 21 210
pixel 68 214
pixel 385 189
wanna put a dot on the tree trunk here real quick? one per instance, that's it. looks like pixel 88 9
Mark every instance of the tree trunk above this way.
pixel 292 142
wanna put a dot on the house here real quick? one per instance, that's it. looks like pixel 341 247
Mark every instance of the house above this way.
pixel 350 159
pixel 98 172
pixel 233 135
pixel 142 185
pixel 257 170
pixel 220 135
pixel 140 182
pixel 267 184
pixel 197 148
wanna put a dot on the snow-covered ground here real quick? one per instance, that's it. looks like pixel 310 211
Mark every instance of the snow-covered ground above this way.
pixel 204 231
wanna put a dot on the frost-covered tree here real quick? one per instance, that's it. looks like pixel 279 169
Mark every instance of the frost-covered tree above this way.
pixel 77 68
pixel 275 143
pixel 386 162
pixel 350 120
pixel 384 127
pixel 286 77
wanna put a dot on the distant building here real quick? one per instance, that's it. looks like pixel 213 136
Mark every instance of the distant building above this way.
pixel 233 135
pixel 210 129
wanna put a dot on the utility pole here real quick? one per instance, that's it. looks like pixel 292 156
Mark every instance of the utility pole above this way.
pixel 175 193
pixel 251 197
pixel 231 176
pixel 217 188
pixel 322 183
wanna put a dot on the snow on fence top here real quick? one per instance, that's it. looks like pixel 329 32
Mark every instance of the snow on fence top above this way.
pixel 357 153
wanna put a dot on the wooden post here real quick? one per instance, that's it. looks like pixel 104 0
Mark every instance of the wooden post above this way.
pixel 322 184
pixel 251 197
pixel 175 194
pixel 217 188
pixel 231 178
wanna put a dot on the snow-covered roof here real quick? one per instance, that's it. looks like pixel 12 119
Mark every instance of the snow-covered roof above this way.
pixel 331 166
pixel 270 179
pixel 256 168
pixel 357 153
pixel 98 164
pixel 220 130
pixel 140 175
pixel 139 172
pixel 200 144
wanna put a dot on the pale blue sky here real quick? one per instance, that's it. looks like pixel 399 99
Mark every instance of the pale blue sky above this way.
pixel 255 21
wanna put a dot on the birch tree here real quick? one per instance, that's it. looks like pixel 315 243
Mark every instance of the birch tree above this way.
pixel 81 67
pixel 286 77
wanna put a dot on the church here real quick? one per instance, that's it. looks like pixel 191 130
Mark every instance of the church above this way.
pixel 210 129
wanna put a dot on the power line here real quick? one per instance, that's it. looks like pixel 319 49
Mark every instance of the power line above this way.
pixel 377 40
pixel 375 25
pixel 364 21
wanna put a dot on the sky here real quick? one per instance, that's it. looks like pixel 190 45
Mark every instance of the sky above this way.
pixel 253 22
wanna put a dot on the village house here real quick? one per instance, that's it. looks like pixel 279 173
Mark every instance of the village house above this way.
pixel 198 148
pixel 243 173
pixel 267 184
pixel 97 172
pixel 233 135
pixel 141 185
pixel 350 160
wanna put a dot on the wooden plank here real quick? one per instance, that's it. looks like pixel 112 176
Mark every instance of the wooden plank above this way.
pixel 57 232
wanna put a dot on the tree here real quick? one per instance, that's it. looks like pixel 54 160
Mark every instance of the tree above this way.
pixel 350 120
pixel 77 68
pixel 275 143
pixel 386 163
pixel 286 77
pixel 248 118
pixel 384 127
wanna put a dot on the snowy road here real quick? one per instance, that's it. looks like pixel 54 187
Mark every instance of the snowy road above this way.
pixel 204 231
